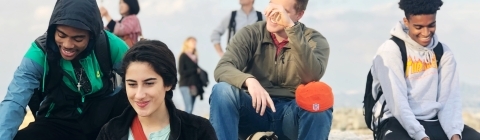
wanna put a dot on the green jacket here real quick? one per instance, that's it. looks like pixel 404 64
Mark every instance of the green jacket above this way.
pixel 251 54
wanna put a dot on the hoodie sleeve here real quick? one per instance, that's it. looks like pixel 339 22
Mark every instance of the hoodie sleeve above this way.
pixel 20 90
pixel 450 116
pixel 311 49
pixel 118 48
pixel 219 30
pixel 237 55
pixel 389 71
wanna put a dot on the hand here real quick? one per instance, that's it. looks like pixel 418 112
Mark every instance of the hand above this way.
pixel 219 50
pixel 456 137
pixel 278 15
pixel 426 138
pixel 103 11
pixel 260 97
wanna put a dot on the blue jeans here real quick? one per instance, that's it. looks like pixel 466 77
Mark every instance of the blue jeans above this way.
pixel 188 99
pixel 233 117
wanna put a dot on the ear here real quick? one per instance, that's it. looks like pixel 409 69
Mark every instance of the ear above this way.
pixel 300 15
pixel 168 88
pixel 405 21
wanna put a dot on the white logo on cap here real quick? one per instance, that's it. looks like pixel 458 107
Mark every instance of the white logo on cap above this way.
pixel 316 107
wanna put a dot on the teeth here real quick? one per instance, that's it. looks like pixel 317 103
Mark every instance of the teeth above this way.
pixel 69 51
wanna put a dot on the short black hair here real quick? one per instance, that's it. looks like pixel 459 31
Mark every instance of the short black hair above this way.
pixel 159 56
pixel 420 7
pixel 133 6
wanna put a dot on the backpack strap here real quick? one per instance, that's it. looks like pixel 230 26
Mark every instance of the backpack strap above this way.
pixel 259 16
pixel 102 53
pixel 403 50
pixel 438 50
pixel 231 25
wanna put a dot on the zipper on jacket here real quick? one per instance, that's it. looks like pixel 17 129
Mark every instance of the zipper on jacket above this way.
pixel 280 67
pixel 52 105
pixel 82 61
pixel 79 110
pixel 70 78
pixel 275 58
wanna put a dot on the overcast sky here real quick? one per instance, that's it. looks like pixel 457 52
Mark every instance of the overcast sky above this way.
pixel 353 28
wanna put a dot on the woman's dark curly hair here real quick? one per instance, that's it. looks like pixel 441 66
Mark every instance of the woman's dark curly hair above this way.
pixel 419 7
pixel 160 58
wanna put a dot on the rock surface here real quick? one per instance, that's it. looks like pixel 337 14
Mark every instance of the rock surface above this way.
pixel 348 124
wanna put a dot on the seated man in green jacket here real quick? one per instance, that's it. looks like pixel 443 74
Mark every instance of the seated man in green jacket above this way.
pixel 269 60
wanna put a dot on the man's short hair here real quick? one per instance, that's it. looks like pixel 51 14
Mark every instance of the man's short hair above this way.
pixel 300 5
pixel 419 7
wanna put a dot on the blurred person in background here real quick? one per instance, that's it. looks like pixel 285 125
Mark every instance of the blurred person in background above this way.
pixel 190 83
pixel 128 27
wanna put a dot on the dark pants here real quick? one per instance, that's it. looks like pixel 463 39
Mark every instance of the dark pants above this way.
pixel 86 128
pixel 433 129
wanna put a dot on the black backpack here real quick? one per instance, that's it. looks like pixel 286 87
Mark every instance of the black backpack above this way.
pixel 102 53
pixel 233 24
pixel 369 101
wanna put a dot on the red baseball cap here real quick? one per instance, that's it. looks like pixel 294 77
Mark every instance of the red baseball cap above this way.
pixel 314 96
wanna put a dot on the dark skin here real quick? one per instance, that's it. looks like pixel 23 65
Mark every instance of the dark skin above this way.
pixel 421 27
pixel 71 41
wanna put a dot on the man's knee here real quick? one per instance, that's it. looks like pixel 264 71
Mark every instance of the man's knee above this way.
pixel 324 116
pixel 223 93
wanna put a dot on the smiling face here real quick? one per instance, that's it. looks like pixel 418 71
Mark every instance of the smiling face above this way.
pixel 145 88
pixel 71 41
pixel 421 28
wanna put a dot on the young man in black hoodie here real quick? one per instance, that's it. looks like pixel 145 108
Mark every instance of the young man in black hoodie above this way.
pixel 63 78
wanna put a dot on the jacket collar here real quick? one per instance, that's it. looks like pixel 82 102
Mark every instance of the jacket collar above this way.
pixel 120 125
pixel 267 36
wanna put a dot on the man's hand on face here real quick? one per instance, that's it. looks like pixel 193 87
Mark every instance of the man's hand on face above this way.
pixel 260 97
pixel 278 15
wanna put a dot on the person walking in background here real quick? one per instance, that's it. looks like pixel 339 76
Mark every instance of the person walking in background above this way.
pixel 128 28
pixel 235 21
pixel 190 85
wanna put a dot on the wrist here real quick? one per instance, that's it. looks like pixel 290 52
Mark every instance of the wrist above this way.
pixel 249 81
pixel 108 18
pixel 290 24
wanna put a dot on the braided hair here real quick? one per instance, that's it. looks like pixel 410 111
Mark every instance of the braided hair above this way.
pixel 419 7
